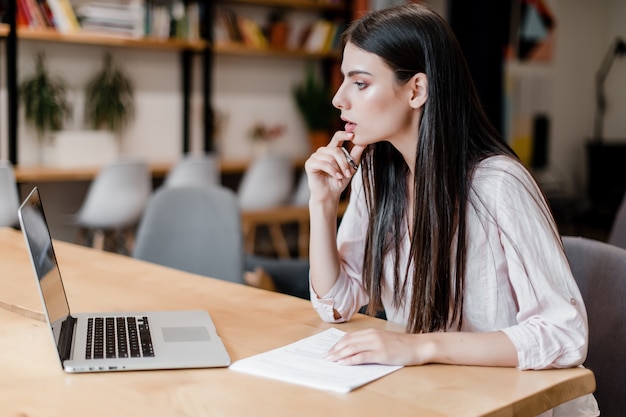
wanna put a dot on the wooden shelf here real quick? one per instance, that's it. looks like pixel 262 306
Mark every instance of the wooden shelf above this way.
pixel 159 169
pixel 94 38
pixel 239 49
pixel 294 4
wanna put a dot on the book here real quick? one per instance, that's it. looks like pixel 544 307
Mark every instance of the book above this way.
pixel 70 15
pixel 61 23
pixel 38 21
pixel 302 363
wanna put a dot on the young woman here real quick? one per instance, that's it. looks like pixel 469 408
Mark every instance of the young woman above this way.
pixel 445 231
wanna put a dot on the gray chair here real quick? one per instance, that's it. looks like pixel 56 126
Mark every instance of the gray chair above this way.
pixel 9 196
pixel 114 203
pixel 600 271
pixel 194 229
pixel 194 170
pixel 617 235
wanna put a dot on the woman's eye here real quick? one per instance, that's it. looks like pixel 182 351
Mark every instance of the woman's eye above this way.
pixel 360 85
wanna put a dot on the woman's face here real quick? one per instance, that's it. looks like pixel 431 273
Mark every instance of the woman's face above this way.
pixel 373 105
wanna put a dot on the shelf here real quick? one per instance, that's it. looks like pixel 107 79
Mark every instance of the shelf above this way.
pixel 93 38
pixel 294 4
pixel 24 174
pixel 238 49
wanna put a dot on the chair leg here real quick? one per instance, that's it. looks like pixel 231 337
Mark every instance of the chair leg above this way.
pixel 249 235
pixel 99 237
pixel 279 241
pixel 303 239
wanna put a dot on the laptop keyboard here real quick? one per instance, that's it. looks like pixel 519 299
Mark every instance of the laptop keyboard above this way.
pixel 118 337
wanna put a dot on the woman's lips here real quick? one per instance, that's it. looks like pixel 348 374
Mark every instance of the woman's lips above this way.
pixel 350 127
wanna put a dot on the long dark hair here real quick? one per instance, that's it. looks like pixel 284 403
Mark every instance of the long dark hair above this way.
pixel 454 136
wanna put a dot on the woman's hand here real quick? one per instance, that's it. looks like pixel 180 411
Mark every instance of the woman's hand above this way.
pixel 328 170
pixel 458 348
pixel 379 346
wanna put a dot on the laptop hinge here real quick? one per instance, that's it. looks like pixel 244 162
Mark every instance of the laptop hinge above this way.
pixel 65 338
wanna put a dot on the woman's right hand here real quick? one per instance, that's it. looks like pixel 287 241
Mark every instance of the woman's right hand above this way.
pixel 328 170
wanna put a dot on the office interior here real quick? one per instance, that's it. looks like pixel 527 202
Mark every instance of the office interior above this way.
pixel 249 90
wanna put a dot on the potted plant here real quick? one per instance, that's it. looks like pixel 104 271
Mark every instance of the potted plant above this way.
pixel 109 98
pixel 45 101
pixel 313 99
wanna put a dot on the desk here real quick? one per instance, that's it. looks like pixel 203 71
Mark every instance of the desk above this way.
pixel 249 321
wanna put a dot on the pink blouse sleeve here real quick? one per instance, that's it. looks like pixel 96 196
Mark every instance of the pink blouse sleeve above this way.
pixel 552 321
pixel 347 295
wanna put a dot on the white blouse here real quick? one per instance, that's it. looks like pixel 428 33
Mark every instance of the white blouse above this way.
pixel 517 277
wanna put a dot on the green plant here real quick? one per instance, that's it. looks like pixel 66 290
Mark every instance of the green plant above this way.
pixel 109 98
pixel 313 99
pixel 45 99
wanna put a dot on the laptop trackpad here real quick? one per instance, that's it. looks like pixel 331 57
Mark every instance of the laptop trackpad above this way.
pixel 185 334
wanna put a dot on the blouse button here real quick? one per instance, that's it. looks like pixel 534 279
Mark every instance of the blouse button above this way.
pixel 572 301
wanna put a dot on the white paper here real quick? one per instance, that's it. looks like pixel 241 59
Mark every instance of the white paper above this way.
pixel 303 363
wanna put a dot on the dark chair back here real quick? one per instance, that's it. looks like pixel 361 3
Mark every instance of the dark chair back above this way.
pixel 600 271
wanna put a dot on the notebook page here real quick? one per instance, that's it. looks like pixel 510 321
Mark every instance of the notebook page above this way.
pixel 302 363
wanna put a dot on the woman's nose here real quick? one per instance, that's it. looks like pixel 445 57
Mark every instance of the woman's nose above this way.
pixel 338 100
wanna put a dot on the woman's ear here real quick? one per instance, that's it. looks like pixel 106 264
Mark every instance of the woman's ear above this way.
pixel 419 90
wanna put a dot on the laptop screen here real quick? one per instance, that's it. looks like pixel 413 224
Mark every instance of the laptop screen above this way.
pixel 37 235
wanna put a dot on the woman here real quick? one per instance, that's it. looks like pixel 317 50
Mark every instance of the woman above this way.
pixel 445 231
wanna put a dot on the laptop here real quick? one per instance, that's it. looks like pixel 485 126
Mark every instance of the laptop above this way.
pixel 114 341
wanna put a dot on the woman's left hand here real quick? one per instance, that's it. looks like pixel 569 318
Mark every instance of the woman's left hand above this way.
pixel 379 346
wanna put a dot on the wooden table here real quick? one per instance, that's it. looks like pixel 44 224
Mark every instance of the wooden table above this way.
pixel 249 321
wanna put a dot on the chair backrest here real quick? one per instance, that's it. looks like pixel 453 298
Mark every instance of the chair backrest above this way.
pixel 600 271
pixel 200 170
pixel 117 196
pixel 302 193
pixel 9 196
pixel 194 229
pixel 617 235
pixel 268 182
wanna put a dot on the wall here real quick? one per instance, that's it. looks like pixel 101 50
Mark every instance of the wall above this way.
pixel 584 31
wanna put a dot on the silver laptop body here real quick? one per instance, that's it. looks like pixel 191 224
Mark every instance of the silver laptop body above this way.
pixel 114 341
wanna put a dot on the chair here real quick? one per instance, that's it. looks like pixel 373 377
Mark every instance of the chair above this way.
pixel 268 182
pixel 289 276
pixel 617 234
pixel 600 271
pixel 194 170
pixel 114 203
pixel 9 196
pixel 194 229
pixel 266 185
pixel 302 193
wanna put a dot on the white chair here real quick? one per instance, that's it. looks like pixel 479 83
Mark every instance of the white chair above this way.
pixel 268 182
pixel 302 193
pixel 114 204
pixel 9 196
pixel 266 185
pixel 194 170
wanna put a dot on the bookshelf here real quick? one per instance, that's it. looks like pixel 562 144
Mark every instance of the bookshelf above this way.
pixel 205 47
pixel 334 14
pixel 10 32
